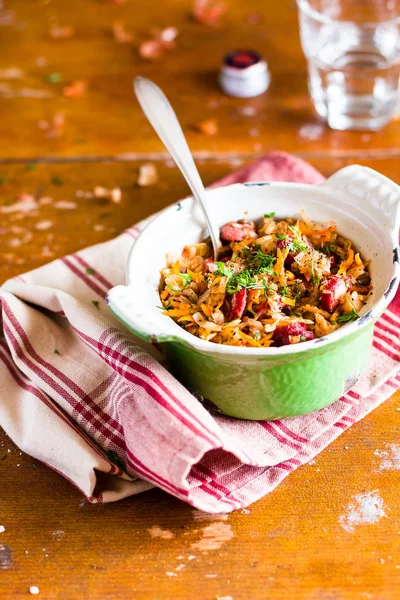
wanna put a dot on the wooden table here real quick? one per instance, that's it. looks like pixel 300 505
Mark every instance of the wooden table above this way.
pixel 292 543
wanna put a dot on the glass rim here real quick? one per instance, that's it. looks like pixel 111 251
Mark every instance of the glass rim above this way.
pixel 305 7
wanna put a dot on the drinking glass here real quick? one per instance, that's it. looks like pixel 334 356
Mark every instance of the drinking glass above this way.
pixel 353 53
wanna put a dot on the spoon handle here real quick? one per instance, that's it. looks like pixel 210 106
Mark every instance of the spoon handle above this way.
pixel 162 117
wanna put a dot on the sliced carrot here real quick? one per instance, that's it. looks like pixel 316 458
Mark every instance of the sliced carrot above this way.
pixel 280 265
pixel 315 232
pixel 178 312
pixel 288 301
pixel 314 309
pixel 207 310
pixel 347 263
pixel 176 269
pixel 248 339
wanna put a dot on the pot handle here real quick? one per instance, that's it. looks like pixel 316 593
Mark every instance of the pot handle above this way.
pixel 373 193
pixel 126 307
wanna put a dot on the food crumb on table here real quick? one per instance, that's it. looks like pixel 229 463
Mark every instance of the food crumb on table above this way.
pixel 34 590
pixel 147 175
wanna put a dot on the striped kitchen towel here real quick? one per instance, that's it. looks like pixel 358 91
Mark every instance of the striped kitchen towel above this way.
pixel 83 396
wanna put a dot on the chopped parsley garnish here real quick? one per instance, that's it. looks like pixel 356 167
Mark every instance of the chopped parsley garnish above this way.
pixel 3 179
pixel 270 215
pixel 297 246
pixel 57 352
pixel 315 279
pixel 284 291
pixel 350 316
pixel 259 262
pixel 31 167
pixel 89 271
pixel 57 180
pixel 244 279
pixel 279 238
pixel 222 269
pixel 303 338
pixel 185 278
pixel 96 303
pixel 257 336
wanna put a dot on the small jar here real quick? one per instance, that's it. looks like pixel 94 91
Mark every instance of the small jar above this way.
pixel 244 74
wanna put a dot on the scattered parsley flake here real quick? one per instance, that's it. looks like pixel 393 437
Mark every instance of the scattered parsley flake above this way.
pixel 270 215
pixel 57 180
pixel 54 77
pixel 350 316
pixel 297 246
pixel 303 338
pixel 257 336
pixel 3 179
pixel 57 352
pixel 4 457
pixel 34 466
pixel 31 167
pixel 96 303
pixel 284 291
pixel 89 271
pixel 279 238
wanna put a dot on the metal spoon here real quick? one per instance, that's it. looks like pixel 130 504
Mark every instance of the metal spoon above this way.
pixel 162 117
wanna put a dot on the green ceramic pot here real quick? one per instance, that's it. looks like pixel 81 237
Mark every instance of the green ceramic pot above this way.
pixel 268 383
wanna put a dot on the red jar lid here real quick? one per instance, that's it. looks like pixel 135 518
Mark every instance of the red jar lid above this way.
pixel 244 74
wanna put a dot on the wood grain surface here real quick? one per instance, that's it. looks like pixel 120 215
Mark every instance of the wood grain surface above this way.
pixel 107 120
pixel 305 540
